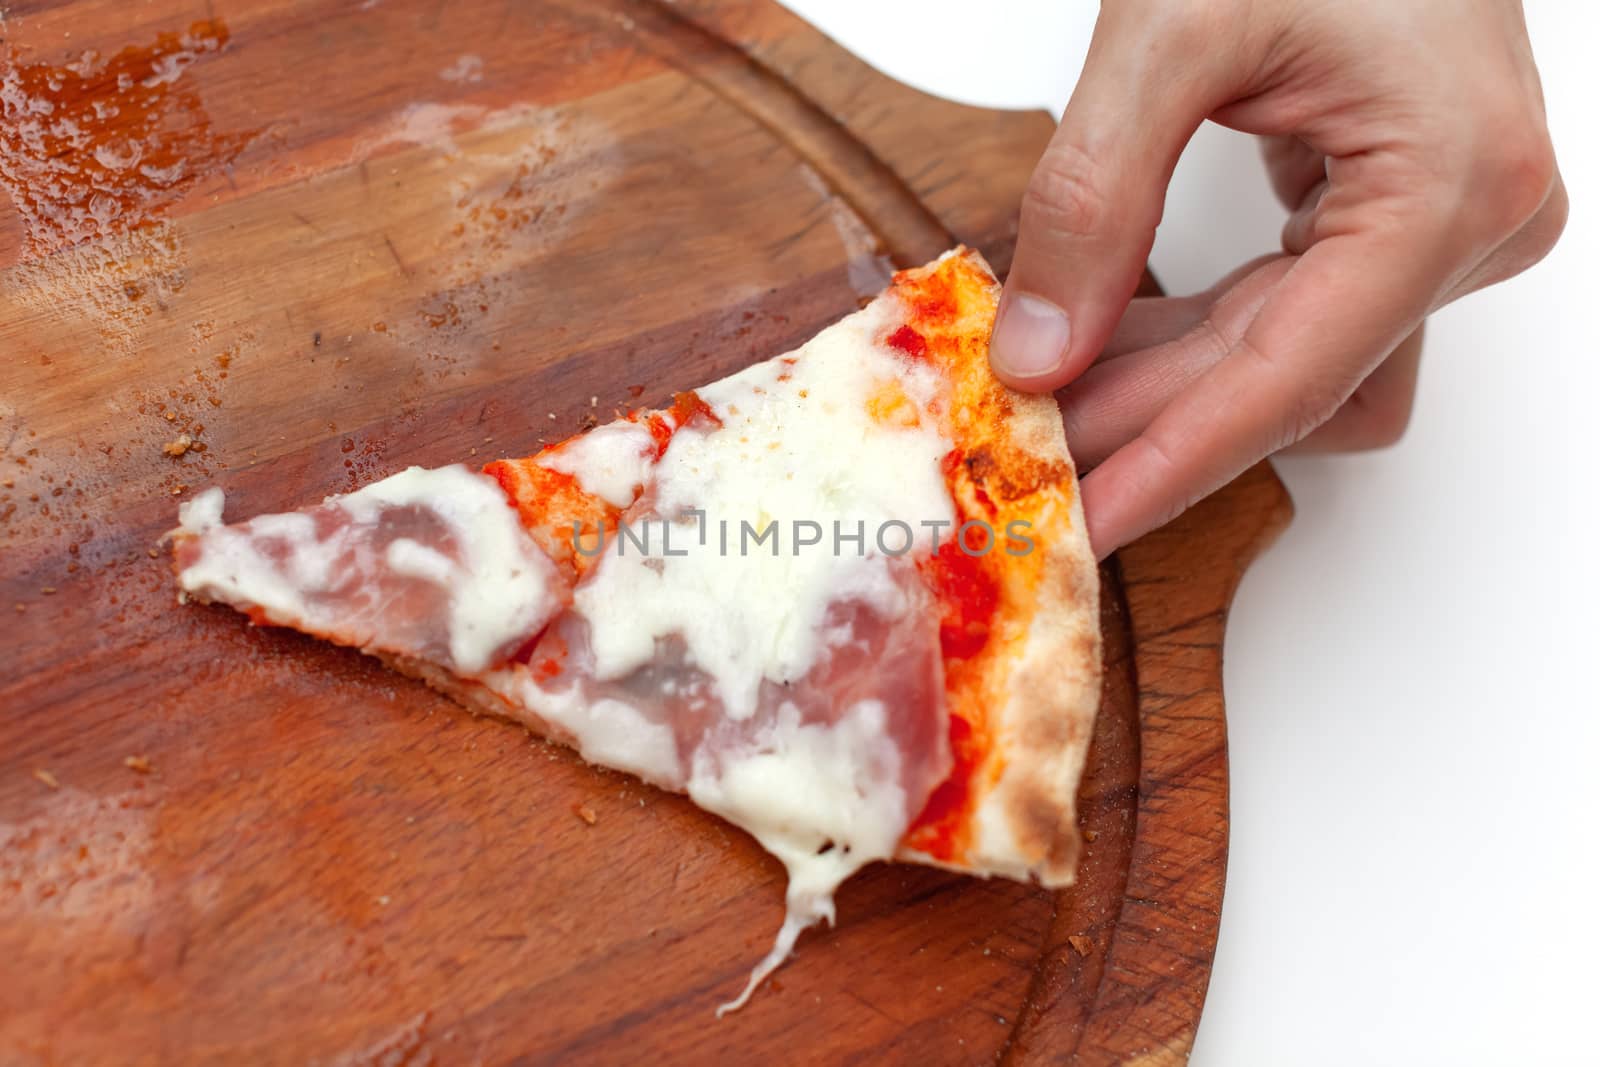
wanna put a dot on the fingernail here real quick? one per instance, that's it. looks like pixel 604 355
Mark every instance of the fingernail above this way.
pixel 1030 339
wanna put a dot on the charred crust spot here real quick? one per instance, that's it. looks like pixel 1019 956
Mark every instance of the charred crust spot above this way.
pixel 1023 476
pixel 1041 829
pixel 981 464
pixel 1063 853
pixel 1087 648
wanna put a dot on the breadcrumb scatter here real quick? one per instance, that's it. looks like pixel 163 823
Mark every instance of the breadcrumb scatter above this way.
pixel 586 813
pixel 178 445
pixel 46 777
pixel 1090 835
pixel 48 590
pixel 1080 944
pixel 137 763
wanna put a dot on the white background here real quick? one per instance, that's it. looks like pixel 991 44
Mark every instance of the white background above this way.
pixel 1413 715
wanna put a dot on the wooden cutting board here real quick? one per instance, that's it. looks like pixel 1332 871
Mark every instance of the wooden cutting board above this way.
pixel 320 241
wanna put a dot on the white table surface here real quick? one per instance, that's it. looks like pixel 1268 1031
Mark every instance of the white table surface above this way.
pixel 1414 732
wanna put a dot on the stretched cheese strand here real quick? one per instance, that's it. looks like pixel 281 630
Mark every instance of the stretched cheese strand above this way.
pixel 825 800
pixel 800 914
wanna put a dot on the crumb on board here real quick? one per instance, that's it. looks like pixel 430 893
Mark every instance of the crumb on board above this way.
pixel 594 401
pixel 178 445
pixel 586 813
pixel 588 422
pixel 46 777
pixel 137 763
pixel 153 552
pixel 552 416
pixel 178 489
pixel 48 590
pixel 1090 835
pixel 1080 944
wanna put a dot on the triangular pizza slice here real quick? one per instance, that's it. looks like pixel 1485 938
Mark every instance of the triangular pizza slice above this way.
pixel 842 598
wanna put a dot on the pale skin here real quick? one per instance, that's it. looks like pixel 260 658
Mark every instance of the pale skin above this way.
pixel 1408 140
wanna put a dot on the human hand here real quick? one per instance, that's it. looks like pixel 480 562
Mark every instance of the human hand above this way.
pixel 1408 139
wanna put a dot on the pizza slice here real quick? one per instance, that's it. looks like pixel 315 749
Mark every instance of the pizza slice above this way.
pixel 842 598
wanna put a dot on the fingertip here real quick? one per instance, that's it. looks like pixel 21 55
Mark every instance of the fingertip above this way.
pixel 1029 345
pixel 1115 503
pixel 1102 538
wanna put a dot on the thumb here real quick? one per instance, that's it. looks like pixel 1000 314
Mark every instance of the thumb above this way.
pixel 1090 211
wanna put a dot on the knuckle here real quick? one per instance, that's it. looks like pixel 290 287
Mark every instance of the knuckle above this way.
pixel 1299 232
pixel 1187 27
pixel 1381 423
pixel 1544 229
pixel 1066 195
pixel 1528 245
pixel 1175 22
pixel 1517 176
pixel 1314 404
pixel 1178 491
pixel 1311 404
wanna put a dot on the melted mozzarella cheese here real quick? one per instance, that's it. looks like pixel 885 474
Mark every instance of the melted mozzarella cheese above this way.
pixel 607 732
pixel 744 622
pixel 796 445
pixel 203 512
pixel 497 583
pixel 611 462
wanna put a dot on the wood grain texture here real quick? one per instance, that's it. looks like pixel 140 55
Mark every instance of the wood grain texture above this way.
pixel 411 232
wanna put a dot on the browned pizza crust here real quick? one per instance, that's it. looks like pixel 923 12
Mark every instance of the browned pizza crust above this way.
pixel 1054 692
pixel 1040 685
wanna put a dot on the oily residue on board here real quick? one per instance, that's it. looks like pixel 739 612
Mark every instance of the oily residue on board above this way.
pixel 96 147
pixel 869 267
pixel 507 185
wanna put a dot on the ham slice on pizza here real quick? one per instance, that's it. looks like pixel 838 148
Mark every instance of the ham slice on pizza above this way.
pixel 842 598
